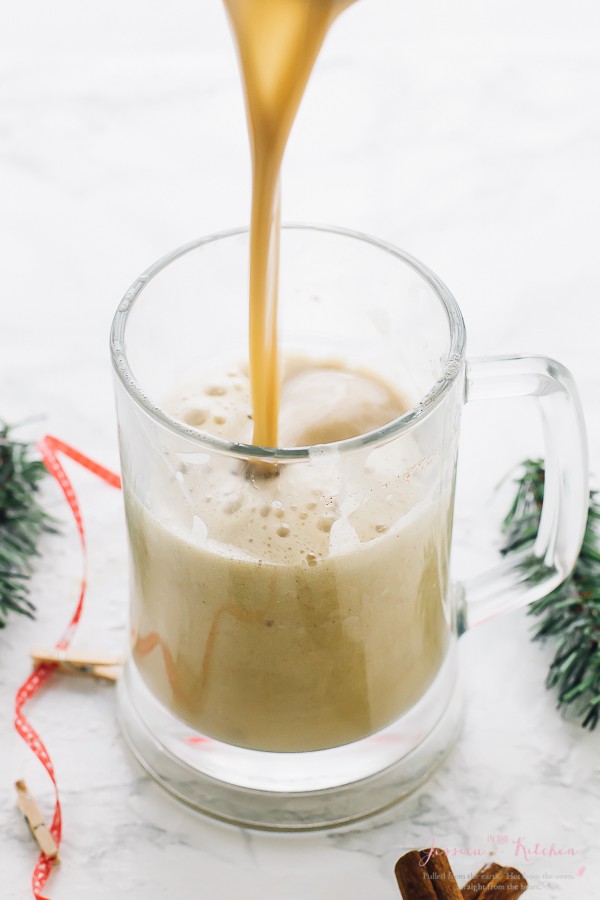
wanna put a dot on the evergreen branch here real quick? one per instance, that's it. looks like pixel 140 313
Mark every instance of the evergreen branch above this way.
pixel 22 522
pixel 570 613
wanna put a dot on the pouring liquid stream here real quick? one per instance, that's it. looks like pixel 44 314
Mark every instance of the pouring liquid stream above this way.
pixel 278 42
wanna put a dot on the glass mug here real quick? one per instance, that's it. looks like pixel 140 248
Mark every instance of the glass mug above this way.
pixel 303 691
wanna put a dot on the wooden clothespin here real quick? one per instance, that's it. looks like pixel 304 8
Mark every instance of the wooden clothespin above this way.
pixel 95 664
pixel 34 819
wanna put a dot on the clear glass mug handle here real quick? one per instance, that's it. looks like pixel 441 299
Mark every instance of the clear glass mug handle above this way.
pixel 533 573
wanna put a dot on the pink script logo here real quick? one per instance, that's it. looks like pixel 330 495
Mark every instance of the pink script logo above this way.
pixel 526 852
pixel 521 850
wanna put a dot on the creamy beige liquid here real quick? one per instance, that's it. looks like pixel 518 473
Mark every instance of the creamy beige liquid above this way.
pixel 298 612
pixel 278 42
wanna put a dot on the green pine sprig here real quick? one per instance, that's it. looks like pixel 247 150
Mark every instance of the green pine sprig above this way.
pixel 22 522
pixel 571 613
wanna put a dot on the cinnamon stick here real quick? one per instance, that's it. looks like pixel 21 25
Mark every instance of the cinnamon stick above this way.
pixel 426 875
pixel 494 880
pixel 473 888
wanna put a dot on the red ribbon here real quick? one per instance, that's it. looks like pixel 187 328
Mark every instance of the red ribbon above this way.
pixel 49 448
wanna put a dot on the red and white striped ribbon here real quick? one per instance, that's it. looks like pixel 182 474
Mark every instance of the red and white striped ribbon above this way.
pixel 50 447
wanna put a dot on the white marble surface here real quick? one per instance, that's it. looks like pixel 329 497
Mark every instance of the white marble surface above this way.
pixel 469 134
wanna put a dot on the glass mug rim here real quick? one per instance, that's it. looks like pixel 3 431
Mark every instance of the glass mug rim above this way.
pixel 403 423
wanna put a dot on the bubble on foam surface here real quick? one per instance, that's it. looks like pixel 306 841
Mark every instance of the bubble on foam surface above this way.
pixel 233 505
pixel 325 523
pixel 195 416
